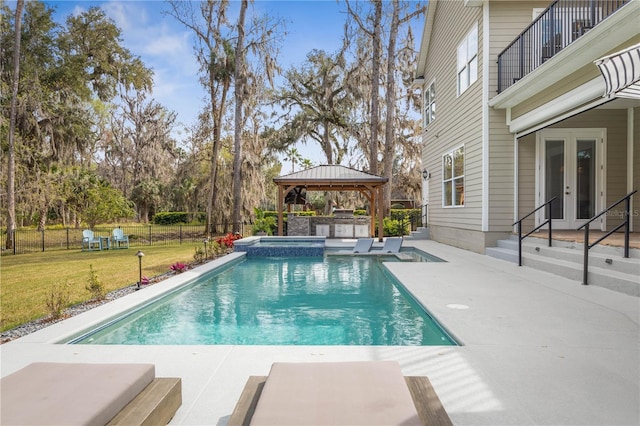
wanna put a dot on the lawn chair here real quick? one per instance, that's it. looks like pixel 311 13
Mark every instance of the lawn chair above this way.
pixel 118 237
pixel 392 245
pixel 90 242
pixel 363 245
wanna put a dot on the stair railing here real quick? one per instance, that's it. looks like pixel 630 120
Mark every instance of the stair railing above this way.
pixel 625 223
pixel 519 223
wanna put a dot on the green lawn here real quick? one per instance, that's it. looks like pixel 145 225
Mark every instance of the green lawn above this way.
pixel 26 280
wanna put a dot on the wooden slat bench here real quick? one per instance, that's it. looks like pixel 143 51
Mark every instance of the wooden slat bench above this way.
pixel 155 405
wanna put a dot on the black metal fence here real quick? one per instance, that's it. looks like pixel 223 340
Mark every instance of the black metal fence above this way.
pixel 31 240
pixel 562 23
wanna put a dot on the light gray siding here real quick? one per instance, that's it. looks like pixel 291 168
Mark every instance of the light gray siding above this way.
pixel 527 179
pixel 507 19
pixel 458 118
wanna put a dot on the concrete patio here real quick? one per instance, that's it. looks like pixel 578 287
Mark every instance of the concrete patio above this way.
pixel 537 349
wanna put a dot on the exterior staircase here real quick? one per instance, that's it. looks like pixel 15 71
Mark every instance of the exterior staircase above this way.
pixel 421 233
pixel 607 266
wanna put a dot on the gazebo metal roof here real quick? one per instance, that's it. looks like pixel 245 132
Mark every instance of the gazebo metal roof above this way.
pixel 333 178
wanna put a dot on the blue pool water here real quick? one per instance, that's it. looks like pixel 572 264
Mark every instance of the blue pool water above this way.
pixel 332 300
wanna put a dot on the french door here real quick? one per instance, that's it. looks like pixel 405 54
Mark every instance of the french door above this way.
pixel 570 168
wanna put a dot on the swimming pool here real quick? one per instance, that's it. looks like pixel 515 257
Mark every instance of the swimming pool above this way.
pixel 332 300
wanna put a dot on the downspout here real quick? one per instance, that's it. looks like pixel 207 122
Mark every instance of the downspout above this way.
pixel 485 117
pixel 630 170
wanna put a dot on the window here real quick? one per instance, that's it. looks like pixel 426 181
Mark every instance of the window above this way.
pixel 453 178
pixel 430 104
pixel 468 60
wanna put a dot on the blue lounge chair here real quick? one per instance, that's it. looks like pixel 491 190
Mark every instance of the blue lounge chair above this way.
pixel 363 245
pixel 392 245
pixel 90 242
pixel 118 237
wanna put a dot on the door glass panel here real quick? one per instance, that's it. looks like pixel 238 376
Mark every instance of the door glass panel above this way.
pixel 585 178
pixel 554 176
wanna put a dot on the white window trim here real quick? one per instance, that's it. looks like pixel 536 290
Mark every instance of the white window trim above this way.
pixel 450 152
pixel 467 66
pixel 427 107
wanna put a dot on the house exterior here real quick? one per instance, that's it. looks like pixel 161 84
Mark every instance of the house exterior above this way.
pixel 514 115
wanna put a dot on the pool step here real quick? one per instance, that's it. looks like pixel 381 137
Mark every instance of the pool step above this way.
pixel 607 266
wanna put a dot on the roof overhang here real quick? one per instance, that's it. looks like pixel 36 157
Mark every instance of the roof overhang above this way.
pixel 426 39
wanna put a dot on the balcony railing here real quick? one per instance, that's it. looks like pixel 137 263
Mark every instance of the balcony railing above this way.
pixel 559 25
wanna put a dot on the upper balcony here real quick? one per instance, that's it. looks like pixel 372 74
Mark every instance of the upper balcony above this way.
pixel 559 25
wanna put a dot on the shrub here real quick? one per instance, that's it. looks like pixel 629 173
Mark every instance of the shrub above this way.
pixel 170 218
pixel 227 240
pixel 95 286
pixel 179 267
pixel 263 223
pixel 394 228
pixel 57 300
pixel 199 255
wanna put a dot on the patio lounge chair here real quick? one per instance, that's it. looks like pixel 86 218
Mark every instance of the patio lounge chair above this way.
pixel 363 245
pixel 340 393
pixel 118 237
pixel 90 242
pixel 83 394
pixel 392 245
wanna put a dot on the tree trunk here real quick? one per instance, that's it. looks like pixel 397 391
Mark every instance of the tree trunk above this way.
pixel 11 160
pixel 375 79
pixel 239 78
pixel 389 140
pixel 216 116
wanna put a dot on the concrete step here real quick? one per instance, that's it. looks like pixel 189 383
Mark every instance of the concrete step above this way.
pixel 421 233
pixel 607 266
pixel 600 248
pixel 502 253
pixel 613 280
pixel 611 258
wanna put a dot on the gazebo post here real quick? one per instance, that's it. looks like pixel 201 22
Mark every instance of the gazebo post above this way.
pixel 280 217
pixel 380 216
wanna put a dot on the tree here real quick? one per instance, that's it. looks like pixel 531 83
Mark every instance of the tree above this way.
pixel 389 152
pixel 376 55
pixel 292 154
pixel 215 55
pixel 63 71
pixel 141 150
pixel 317 104
pixel 239 77
pixel 93 199
pixel 11 158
